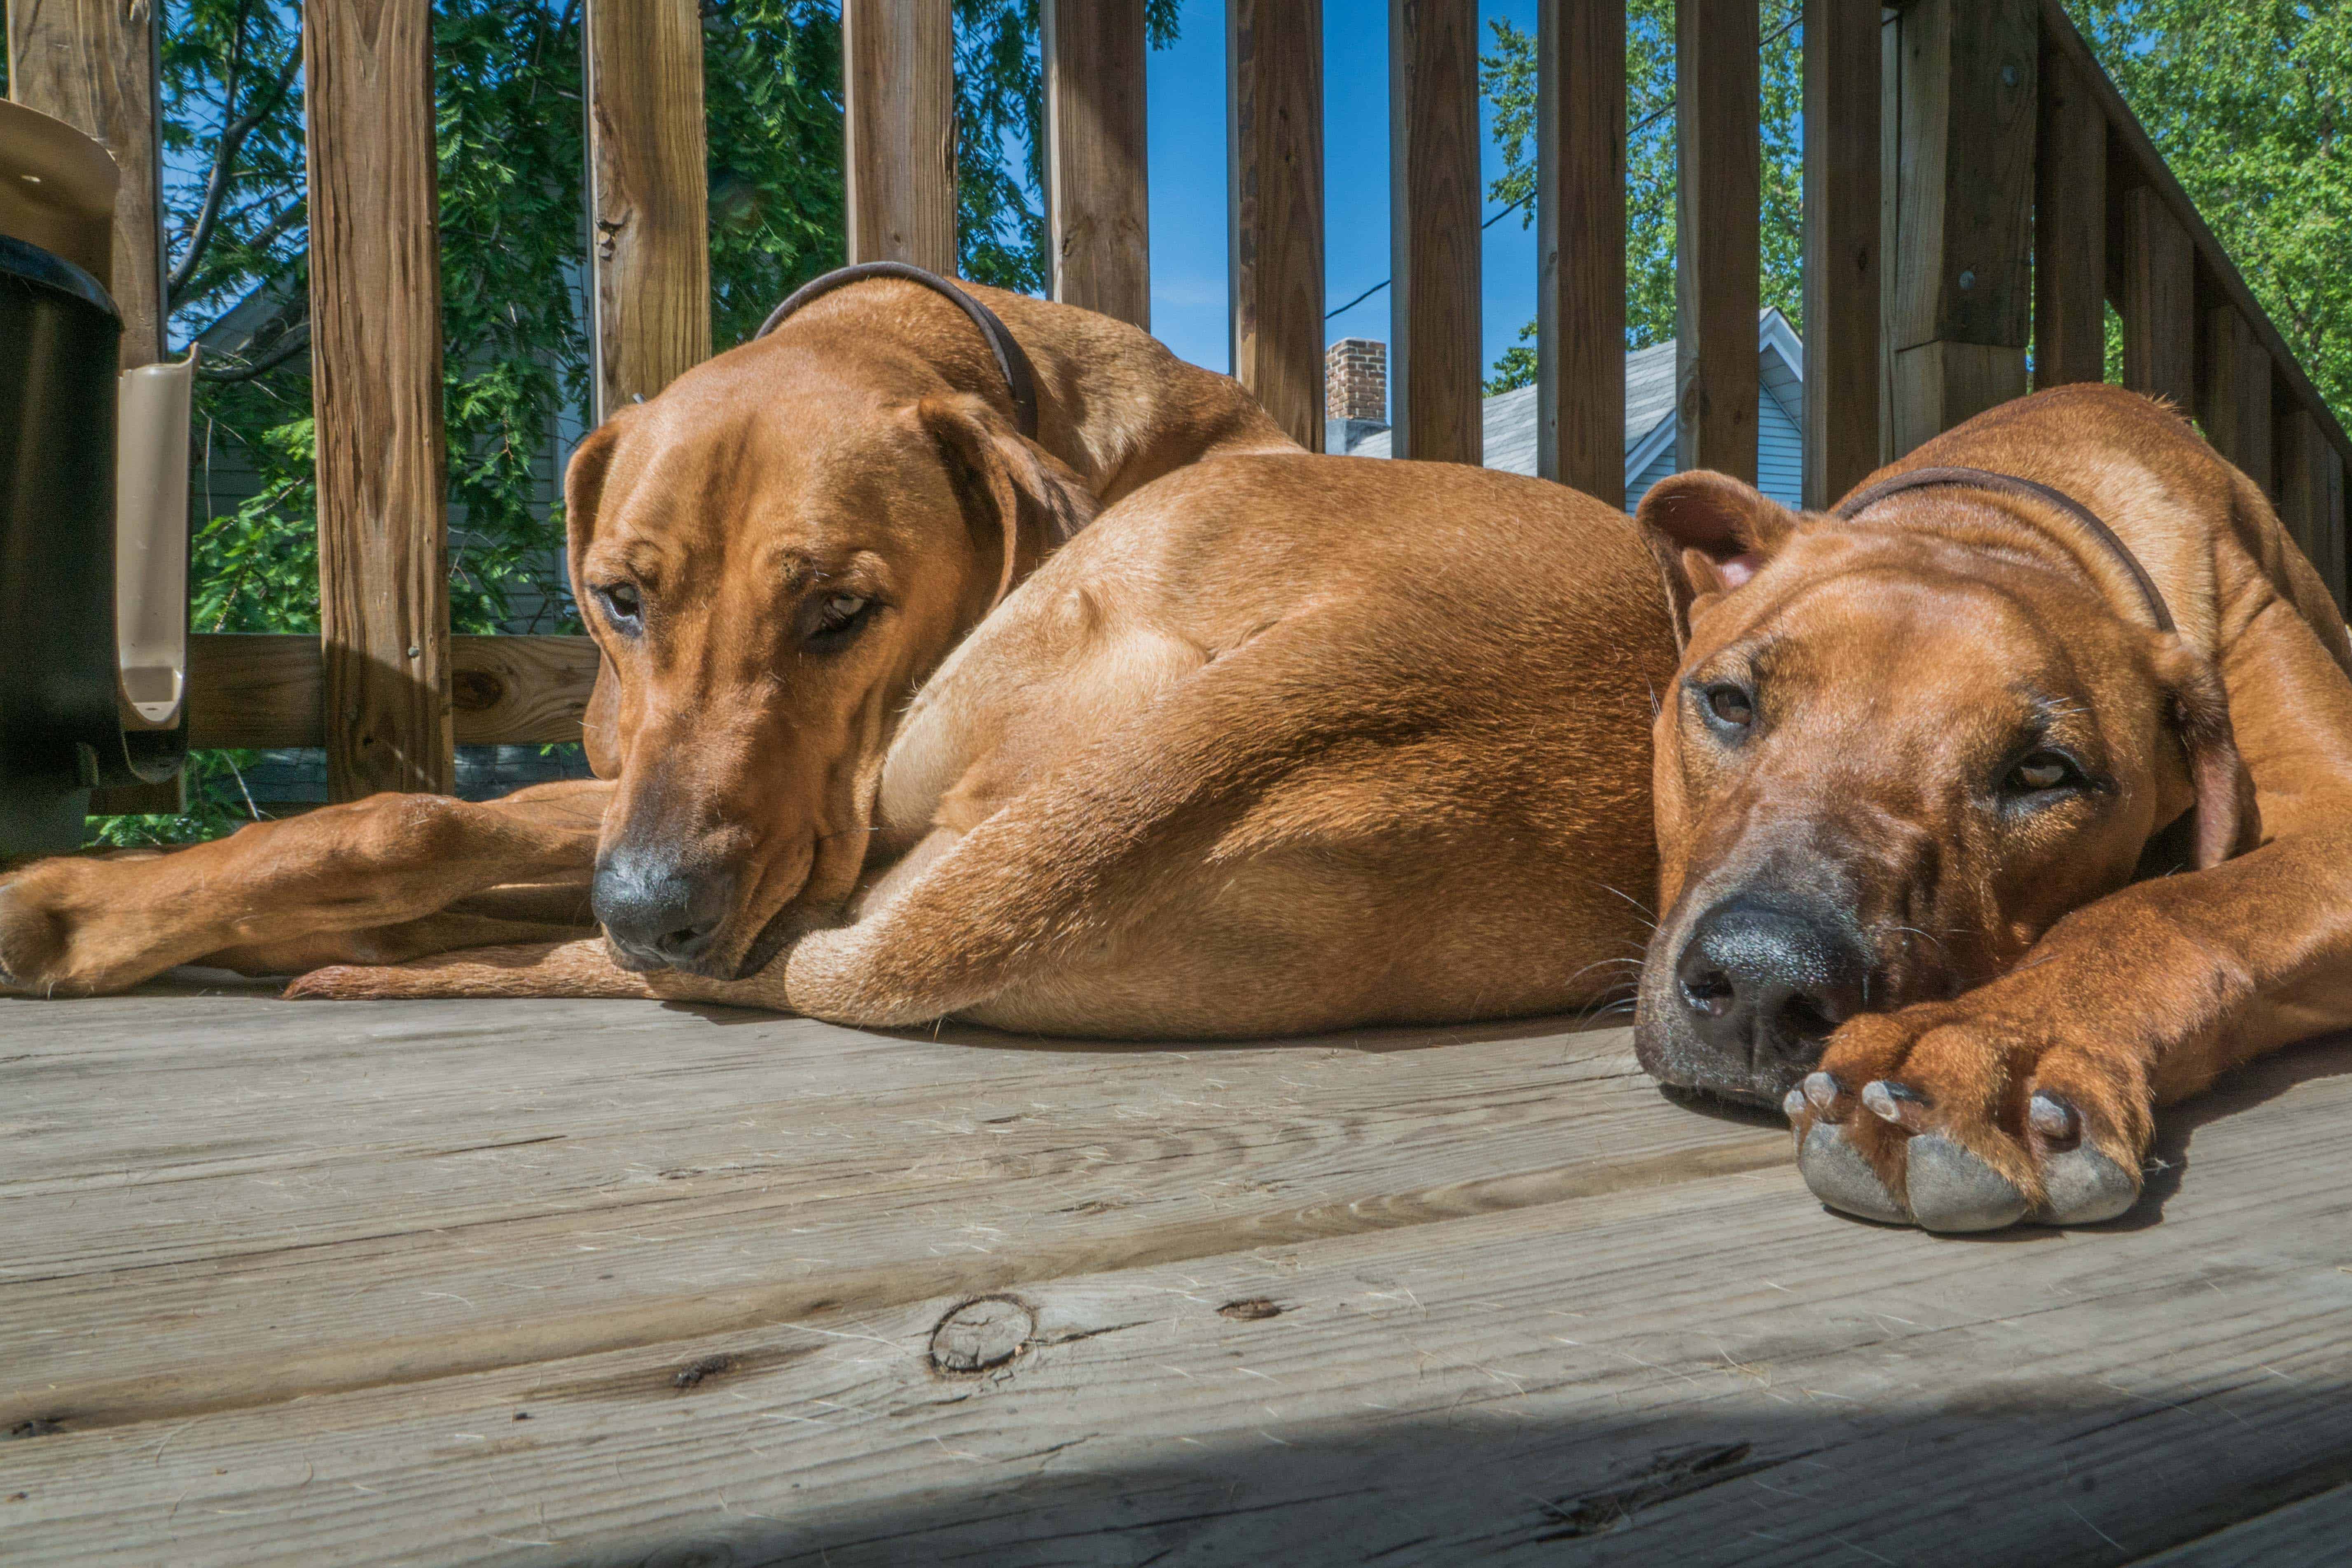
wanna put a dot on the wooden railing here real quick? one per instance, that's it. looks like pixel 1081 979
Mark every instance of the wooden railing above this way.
pixel 1973 183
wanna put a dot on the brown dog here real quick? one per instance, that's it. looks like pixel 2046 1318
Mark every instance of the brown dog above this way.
pixel 800 530
pixel 1935 777
pixel 1278 744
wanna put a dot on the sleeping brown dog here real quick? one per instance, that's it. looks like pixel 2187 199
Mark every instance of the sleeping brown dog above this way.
pixel 800 529
pixel 1936 781
pixel 1963 852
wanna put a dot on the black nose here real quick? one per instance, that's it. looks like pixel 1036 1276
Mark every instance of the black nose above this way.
pixel 1764 985
pixel 658 912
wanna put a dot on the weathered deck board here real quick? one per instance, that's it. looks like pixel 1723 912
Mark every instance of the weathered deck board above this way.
pixel 1527 1306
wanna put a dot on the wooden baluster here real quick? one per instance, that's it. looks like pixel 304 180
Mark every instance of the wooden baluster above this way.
pixel 1718 199
pixel 2160 302
pixel 648 197
pixel 2311 496
pixel 898 79
pixel 1434 357
pixel 1581 239
pixel 1959 301
pixel 2234 401
pixel 1842 235
pixel 1097 186
pixel 1275 150
pixel 2070 228
pixel 375 311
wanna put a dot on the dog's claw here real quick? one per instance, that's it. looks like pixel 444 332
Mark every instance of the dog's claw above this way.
pixel 1793 1104
pixel 1822 1091
pixel 2083 1187
pixel 2053 1120
pixel 1952 1190
pixel 1839 1176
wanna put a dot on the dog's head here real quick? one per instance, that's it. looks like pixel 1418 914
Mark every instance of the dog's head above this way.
pixel 1888 762
pixel 771 555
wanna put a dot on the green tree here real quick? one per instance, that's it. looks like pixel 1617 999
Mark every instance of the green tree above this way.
pixel 2251 103
pixel 1509 80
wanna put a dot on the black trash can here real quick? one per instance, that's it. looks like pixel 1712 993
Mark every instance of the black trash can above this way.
pixel 61 732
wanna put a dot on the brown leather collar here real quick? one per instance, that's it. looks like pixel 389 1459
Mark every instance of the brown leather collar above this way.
pixel 2010 484
pixel 1020 378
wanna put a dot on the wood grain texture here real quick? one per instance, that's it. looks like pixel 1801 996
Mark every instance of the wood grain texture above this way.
pixel 93 64
pixel 1096 174
pixel 1964 128
pixel 2133 148
pixel 2233 396
pixel 1580 244
pixel 1937 384
pixel 375 311
pixel 264 691
pixel 898 79
pixel 1717 199
pixel 2159 301
pixel 648 197
pixel 594 1283
pixel 2311 495
pixel 1437 346
pixel 1274 55
pixel 1843 102
pixel 2070 228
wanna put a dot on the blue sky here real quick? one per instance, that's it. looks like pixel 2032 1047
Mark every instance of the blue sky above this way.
pixel 1186 106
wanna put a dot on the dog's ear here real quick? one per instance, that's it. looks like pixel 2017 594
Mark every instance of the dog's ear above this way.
pixel 584 487
pixel 1711 534
pixel 2227 820
pixel 1038 503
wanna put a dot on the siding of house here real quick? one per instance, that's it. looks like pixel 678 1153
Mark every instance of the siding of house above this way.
pixel 1780 458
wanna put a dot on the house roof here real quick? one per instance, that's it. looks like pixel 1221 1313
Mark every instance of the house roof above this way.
pixel 1510 417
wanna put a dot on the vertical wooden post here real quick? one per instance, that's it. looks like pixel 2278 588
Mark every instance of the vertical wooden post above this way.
pixel 2160 302
pixel 898 79
pixel 1581 238
pixel 92 64
pixel 1718 202
pixel 648 197
pixel 1435 389
pixel 1959 292
pixel 1274 52
pixel 1841 223
pixel 375 310
pixel 2311 496
pixel 2234 401
pixel 1097 187
pixel 2070 228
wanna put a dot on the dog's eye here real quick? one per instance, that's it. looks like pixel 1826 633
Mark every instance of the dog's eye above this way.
pixel 1731 704
pixel 623 605
pixel 837 617
pixel 2043 771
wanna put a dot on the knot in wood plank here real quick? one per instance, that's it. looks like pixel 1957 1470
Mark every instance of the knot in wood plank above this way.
pixel 982 1334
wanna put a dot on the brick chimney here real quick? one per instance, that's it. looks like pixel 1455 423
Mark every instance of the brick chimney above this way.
pixel 1356 381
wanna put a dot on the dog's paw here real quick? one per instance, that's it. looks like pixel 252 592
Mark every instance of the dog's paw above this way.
pixel 34 930
pixel 1954 1121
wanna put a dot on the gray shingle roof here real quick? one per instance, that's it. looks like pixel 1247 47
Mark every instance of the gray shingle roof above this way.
pixel 1510 416
pixel 1509 421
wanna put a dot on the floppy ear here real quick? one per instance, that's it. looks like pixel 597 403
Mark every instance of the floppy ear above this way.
pixel 2229 821
pixel 584 487
pixel 1039 503
pixel 1712 533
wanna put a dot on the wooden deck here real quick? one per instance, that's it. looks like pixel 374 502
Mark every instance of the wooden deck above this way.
pixel 607 1283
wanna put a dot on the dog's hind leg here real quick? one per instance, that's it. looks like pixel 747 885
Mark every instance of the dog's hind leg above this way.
pixel 278 897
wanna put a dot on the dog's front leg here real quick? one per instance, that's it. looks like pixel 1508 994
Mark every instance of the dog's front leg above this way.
pixel 2034 1096
pixel 266 896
